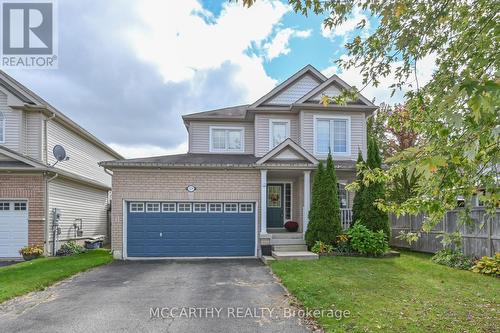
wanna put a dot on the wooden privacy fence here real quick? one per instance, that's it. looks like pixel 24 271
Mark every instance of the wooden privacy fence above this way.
pixel 481 238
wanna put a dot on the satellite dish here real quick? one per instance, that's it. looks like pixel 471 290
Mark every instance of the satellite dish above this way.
pixel 59 153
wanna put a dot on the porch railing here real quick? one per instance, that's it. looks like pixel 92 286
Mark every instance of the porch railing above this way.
pixel 345 217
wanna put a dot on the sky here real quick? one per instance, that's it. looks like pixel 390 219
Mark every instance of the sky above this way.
pixel 129 69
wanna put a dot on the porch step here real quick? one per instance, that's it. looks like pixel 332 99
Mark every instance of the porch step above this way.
pixel 294 255
pixel 289 247
pixel 289 235
pixel 287 241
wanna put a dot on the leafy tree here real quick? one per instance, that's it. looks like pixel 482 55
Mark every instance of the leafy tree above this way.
pixel 371 215
pixel 324 215
pixel 456 115
pixel 357 205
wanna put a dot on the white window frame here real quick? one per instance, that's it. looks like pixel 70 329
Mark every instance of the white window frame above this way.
pixel 189 204
pixel 197 210
pixel 271 122
pixel 246 211
pixel 132 210
pixel 230 211
pixel 2 206
pixel 168 204
pixel 348 134
pixel 218 204
pixel 155 204
pixel 3 122
pixel 227 150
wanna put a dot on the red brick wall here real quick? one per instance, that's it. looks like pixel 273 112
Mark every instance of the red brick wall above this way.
pixel 31 188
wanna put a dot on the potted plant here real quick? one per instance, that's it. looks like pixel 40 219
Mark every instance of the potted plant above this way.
pixel 291 226
pixel 31 252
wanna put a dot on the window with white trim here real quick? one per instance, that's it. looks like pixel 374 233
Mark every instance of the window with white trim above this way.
pixel 184 207
pixel 279 132
pixel 4 205
pixel 3 120
pixel 200 207
pixel 152 207
pixel 168 207
pixel 19 205
pixel 226 139
pixel 246 208
pixel 215 207
pixel 136 207
pixel 230 207
pixel 342 195
pixel 332 134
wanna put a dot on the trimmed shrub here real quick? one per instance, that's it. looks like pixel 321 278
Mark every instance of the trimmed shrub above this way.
pixel 488 265
pixel 372 217
pixel 70 248
pixel 324 215
pixel 452 258
pixel 357 205
pixel 366 241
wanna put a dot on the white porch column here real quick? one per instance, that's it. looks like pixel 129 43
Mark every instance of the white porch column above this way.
pixel 307 200
pixel 263 199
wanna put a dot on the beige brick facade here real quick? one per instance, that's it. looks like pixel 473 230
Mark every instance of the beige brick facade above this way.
pixel 31 188
pixel 211 185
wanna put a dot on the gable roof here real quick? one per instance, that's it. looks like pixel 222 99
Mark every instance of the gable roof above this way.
pixel 333 81
pixel 35 102
pixel 308 70
pixel 17 160
pixel 288 144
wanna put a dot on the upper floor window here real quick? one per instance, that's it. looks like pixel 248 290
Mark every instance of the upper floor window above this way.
pixel 226 139
pixel 332 134
pixel 2 127
pixel 279 131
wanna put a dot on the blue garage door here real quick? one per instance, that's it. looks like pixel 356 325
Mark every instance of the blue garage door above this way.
pixel 190 229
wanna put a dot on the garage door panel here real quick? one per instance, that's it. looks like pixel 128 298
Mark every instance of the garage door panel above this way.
pixel 13 229
pixel 190 234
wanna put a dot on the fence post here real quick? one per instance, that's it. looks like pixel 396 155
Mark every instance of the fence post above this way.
pixel 490 245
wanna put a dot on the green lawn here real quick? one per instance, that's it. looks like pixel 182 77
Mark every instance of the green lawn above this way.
pixel 406 294
pixel 19 279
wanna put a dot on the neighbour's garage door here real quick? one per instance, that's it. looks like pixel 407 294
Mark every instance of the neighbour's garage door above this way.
pixel 190 229
pixel 13 228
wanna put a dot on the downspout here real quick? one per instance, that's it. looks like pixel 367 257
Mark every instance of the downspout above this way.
pixel 46 160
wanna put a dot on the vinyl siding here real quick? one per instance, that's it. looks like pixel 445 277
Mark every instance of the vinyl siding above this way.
pixel 295 91
pixel 32 134
pixel 13 124
pixel 358 131
pixel 77 201
pixel 330 91
pixel 262 130
pixel 83 155
pixel 199 135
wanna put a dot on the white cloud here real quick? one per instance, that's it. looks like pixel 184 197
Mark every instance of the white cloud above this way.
pixel 184 39
pixel 279 45
pixel 382 93
pixel 347 27
pixel 134 151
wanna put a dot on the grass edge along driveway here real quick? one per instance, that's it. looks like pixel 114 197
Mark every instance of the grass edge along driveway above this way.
pixel 405 294
pixel 37 274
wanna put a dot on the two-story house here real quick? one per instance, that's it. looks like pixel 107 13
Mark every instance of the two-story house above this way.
pixel 33 185
pixel 247 172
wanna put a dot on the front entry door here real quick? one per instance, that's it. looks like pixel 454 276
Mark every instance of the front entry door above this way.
pixel 275 205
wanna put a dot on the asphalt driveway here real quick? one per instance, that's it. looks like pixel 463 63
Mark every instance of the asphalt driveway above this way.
pixel 153 296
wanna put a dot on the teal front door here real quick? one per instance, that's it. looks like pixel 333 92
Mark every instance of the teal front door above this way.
pixel 275 205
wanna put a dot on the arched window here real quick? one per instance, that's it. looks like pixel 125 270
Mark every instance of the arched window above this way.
pixel 2 127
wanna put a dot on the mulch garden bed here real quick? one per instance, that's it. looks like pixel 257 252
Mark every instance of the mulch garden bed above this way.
pixel 390 254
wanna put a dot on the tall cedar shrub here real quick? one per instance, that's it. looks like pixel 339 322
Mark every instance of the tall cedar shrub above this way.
pixel 357 205
pixel 372 217
pixel 324 215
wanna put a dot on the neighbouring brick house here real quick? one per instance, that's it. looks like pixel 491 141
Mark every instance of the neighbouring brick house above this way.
pixel 31 187
pixel 247 172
